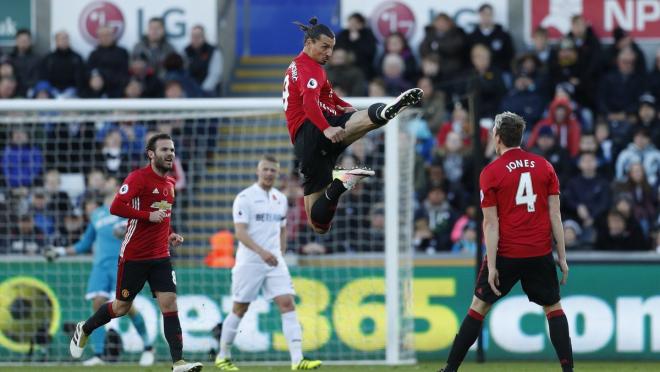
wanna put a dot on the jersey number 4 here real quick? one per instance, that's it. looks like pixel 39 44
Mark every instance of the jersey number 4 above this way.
pixel 525 193
pixel 285 92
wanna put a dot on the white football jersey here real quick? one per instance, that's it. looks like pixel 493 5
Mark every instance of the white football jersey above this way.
pixel 265 214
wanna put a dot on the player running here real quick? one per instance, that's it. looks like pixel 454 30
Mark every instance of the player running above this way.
pixel 260 223
pixel 146 199
pixel 520 202
pixel 322 125
pixel 104 232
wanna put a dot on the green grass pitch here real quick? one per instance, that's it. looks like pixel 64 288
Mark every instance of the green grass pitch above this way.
pixel 422 367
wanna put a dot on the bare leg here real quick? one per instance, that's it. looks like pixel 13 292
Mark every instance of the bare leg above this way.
pixel 357 126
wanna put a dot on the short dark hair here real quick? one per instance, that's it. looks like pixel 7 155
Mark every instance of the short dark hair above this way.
pixel 151 144
pixel 314 29
pixel 157 19
pixel 358 17
pixel 485 6
pixel 510 128
pixel 23 31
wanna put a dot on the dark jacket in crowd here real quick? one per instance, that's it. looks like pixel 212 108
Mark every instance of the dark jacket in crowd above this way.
pixel 451 46
pixel 112 63
pixel 198 61
pixel 597 200
pixel 26 67
pixel 500 44
pixel 363 49
pixel 620 93
pixel 64 69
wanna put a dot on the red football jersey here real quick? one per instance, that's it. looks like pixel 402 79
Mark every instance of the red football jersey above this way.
pixel 144 192
pixel 518 183
pixel 307 94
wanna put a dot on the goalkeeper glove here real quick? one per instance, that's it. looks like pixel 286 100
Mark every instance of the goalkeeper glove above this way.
pixel 53 253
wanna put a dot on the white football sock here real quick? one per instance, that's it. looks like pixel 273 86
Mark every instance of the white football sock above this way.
pixel 293 334
pixel 229 329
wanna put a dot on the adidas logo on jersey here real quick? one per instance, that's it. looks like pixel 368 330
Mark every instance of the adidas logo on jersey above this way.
pixel 155 191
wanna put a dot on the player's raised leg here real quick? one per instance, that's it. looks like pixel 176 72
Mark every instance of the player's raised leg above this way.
pixel 293 334
pixel 229 330
pixel 559 335
pixel 378 114
pixel 103 315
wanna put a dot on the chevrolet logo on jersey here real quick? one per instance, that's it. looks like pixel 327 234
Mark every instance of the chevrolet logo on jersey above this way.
pixel 162 205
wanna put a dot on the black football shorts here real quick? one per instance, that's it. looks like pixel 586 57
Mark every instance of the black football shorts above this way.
pixel 316 154
pixel 132 275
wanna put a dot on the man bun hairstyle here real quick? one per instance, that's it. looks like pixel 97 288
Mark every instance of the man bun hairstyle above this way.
pixel 510 128
pixel 313 30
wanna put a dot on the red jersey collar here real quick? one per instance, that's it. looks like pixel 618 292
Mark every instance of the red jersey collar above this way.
pixel 305 56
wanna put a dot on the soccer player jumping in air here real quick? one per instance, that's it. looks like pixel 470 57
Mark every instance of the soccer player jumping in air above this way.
pixel 520 202
pixel 322 125
pixel 146 199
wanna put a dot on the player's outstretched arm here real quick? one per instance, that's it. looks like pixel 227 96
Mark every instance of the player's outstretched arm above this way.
pixel 492 236
pixel 558 234
pixel 243 236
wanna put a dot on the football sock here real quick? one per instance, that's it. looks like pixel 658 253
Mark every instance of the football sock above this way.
pixel 293 334
pixel 324 208
pixel 375 112
pixel 466 336
pixel 138 323
pixel 172 329
pixel 100 318
pixel 97 339
pixel 229 330
pixel 560 338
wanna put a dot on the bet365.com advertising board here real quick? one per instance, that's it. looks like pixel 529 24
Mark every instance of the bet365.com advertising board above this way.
pixel 613 313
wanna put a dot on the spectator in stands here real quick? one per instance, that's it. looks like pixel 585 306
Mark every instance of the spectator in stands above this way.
pixel 587 44
pixel 459 123
pixel 173 89
pixel 572 233
pixel 620 89
pixel 22 161
pixel 94 188
pixel 133 89
pixel 175 71
pixel 154 47
pixel 431 69
pixel 25 238
pixel 487 79
pixel 494 37
pixel 647 117
pixel 394 75
pixel 606 150
pixel 561 121
pixel 377 227
pixel 345 75
pixel 96 87
pixel 457 166
pixel 205 62
pixel 423 238
pixel 467 244
pixel 639 191
pixel 622 40
pixel 44 218
pixel 358 39
pixel 528 95
pixel 569 66
pixel 446 40
pixel 441 216
pixel 433 105
pixel 114 161
pixel 133 137
pixel 586 207
pixel 63 68
pixel 642 151
pixel 542 48
pixel 396 43
pixel 8 88
pixel 111 61
pixel 654 77
pixel 25 61
pixel 376 88
pixel 58 200
pixel 616 235
pixel 152 87
pixel 42 90
pixel 70 230
pixel 547 145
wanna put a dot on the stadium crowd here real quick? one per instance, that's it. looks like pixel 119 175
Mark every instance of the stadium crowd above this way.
pixel 591 110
